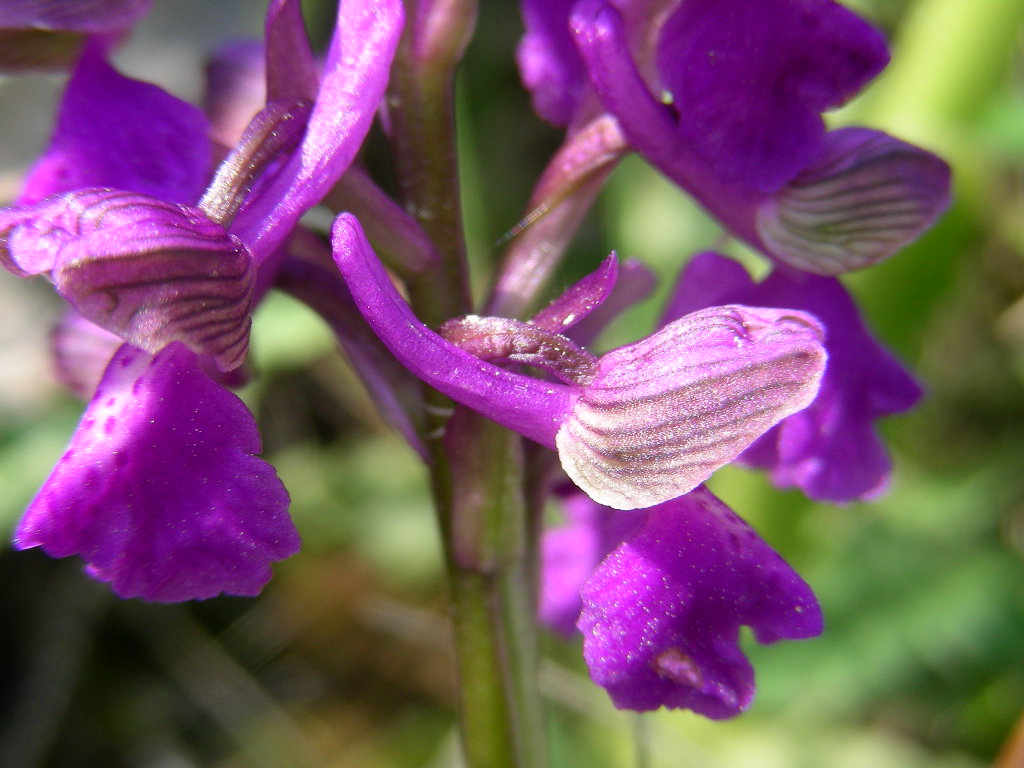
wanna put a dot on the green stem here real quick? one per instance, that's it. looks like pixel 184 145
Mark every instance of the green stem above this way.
pixel 493 603
pixel 476 467
pixel 421 110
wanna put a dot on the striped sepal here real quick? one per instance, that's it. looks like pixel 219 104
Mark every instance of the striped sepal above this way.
pixel 154 272
pixel 865 199
pixel 662 414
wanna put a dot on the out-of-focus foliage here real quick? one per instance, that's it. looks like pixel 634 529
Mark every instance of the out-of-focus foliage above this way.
pixel 344 660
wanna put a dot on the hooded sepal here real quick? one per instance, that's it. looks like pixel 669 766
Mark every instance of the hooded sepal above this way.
pixel 150 271
pixel 761 73
pixel 659 416
pixel 864 199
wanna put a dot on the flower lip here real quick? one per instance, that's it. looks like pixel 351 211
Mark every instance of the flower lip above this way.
pixel 161 491
pixel 661 614
pixel 651 421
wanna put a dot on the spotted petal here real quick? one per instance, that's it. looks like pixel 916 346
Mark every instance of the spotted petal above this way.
pixel 661 615
pixel 161 491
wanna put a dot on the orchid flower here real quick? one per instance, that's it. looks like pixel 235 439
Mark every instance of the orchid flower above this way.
pixel 161 490
pixel 760 74
pixel 639 425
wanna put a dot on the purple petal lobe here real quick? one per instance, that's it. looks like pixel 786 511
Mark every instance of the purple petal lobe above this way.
pixel 529 406
pixel 664 413
pixel 830 449
pixel 150 271
pixel 580 299
pixel 550 67
pixel 98 140
pixel 161 491
pixel 355 75
pixel 661 615
pixel 81 352
pixel 571 552
pixel 867 197
pixel 761 73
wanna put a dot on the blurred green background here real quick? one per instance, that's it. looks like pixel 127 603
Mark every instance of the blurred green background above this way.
pixel 344 660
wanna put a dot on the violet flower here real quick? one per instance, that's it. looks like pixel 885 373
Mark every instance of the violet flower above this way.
pixel 830 449
pixel 661 596
pixel 724 97
pixel 161 491
pixel 638 426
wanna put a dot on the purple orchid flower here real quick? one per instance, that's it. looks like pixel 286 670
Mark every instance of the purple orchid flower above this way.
pixel 638 426
pixel 830 449
pixel 660 594
pixel 161 490
pixel 760 74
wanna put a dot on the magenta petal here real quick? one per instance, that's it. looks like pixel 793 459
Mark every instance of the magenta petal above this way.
pixel 529 406
pixel 662 613
pixel 829 450
pixel 81 352
pixel 98 143
pixel 549 65
pixel 355 76
pixel 161 491
pixel 580 299
pixel 760 73
pixel 571 552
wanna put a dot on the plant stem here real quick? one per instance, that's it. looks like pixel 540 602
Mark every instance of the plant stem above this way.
pixel 475 466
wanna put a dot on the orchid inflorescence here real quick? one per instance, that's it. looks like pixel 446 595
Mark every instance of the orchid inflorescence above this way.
pixel 162 262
